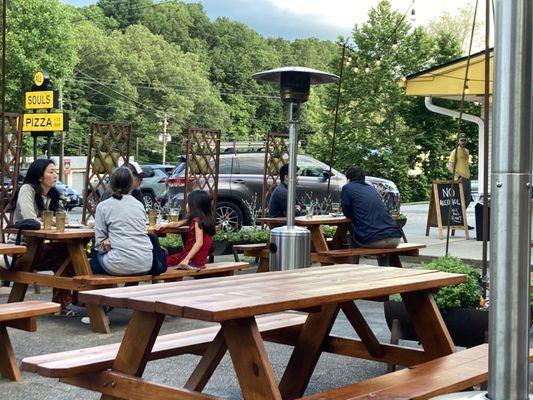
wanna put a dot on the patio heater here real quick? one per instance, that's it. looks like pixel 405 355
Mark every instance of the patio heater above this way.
pixel 290 245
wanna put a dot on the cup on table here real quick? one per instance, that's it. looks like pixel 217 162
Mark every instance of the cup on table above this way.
pixel 61 220
pixel 335 208
pixel 173 215
pixel 48 217
pixel 152 218
pixel 310 210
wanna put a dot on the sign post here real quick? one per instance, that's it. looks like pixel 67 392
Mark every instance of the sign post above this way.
pixel 447 207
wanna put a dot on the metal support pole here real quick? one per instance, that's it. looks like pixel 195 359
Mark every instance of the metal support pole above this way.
pixel 165 126
pixel 294 111
pixel 510 206
pixel 34 148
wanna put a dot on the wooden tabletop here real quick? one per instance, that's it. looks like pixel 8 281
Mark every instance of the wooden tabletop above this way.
pixel 7 249
pixel 304 221
pixel 52 234
pixel 222 299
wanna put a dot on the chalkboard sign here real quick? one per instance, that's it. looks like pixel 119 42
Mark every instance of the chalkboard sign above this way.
pixel 446 207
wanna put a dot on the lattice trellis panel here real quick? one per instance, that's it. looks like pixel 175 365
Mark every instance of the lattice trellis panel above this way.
pixel 109 147
pixel 202 164
pixel 10 163
pixel 276 154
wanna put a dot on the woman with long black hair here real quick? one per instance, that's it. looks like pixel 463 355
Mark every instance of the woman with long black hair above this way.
pixel 38 193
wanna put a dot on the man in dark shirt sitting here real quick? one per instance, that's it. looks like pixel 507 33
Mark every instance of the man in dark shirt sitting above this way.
pixel 277 206
pixel 373 224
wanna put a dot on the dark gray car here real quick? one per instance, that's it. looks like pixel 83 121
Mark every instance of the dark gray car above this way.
pixel 241 181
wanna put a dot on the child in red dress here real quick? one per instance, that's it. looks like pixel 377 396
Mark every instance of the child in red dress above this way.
pixel 200 236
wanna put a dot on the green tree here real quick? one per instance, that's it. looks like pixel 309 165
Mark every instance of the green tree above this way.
pixel 137 76
pixel 125 12
pixel 39 37
pixel 375 129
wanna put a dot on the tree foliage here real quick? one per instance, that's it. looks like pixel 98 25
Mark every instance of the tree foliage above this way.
pixel 380 128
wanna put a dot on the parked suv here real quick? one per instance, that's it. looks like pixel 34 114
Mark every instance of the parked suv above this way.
pixel 241 177
pixel 153 187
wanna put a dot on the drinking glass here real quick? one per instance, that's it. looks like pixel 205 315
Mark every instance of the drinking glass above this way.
pixel 152 218
pixel 61 220
pixel 48 217
pixel 173 215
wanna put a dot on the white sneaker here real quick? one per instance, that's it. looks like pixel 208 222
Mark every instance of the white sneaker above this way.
pixel 85 320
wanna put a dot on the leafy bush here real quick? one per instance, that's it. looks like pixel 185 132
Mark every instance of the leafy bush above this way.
pixel 244 235
pixel 171 241
pixel 467 294
pixel 329 231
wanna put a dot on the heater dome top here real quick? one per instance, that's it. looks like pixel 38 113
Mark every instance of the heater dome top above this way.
pixel 317 77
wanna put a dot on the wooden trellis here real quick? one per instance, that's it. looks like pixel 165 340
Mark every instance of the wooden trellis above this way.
pixel 202 163
pixel 11 137
pixel 276 154
pixel 109 147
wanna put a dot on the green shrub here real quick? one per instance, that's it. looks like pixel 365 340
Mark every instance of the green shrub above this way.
pixel 467 294
pixel 171 241
pixel 329 231
pixel 244 235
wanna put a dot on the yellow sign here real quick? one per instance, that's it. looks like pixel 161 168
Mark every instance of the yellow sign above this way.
pixel 34 100
pixel 38 78
pixel 46 122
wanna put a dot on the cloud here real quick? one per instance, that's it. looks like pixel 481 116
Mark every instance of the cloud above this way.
pixel 275 18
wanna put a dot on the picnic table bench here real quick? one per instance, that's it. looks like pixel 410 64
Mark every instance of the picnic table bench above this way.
pixel 75 272
pixel 238 304
pixel 19 316
pixel 448 374
pixel 389 256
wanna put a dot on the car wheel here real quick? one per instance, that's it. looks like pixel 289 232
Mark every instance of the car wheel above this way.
pixel 229 215
pixel 149 200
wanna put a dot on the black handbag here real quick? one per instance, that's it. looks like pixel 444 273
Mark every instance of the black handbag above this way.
pixel 24 224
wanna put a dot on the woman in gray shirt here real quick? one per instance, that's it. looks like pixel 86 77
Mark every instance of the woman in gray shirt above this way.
pixel 121 240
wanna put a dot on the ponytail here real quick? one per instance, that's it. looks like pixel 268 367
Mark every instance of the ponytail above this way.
pixel 121 182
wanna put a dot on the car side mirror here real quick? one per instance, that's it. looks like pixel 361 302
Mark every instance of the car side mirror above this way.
pixel 324 175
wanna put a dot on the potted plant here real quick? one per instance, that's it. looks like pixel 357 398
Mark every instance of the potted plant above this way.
pixel 399 218
pixel 172 242
pixel 462 306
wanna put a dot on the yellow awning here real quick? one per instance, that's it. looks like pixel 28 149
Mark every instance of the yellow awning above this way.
pixel 446 81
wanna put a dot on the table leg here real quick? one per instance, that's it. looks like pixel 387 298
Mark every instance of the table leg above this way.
pixel 307 351
pixel 358 322
pixel 428 323
pixel 318 239
pixel 76 250
pixel 263 265
pixel 250 360
pixel 208 364
pixel 24 263
pixel 8 362
pixel 340 234
pixel 137 344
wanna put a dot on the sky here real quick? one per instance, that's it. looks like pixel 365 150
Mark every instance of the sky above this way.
pixel 323 19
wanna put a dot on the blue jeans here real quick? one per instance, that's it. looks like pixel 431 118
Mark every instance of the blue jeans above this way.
pixel 96 264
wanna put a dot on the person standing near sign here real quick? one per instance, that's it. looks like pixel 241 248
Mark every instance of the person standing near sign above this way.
pixel 460 158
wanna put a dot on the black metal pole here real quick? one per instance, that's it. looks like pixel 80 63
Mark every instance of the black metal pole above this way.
pixel 332 153
pixel 486 117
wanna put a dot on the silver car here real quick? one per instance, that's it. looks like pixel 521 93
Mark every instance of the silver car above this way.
pixel 241 182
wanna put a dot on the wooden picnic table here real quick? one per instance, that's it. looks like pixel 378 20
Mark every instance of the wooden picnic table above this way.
pixel 236 301
pixel 314 225
pixel 76 263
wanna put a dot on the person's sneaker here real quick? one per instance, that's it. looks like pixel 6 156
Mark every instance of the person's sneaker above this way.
pixel 86 320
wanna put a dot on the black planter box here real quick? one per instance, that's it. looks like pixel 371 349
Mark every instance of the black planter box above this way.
pixel 467 326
